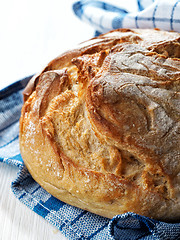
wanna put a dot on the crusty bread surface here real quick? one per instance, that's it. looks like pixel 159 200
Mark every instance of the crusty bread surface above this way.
pixel 100 125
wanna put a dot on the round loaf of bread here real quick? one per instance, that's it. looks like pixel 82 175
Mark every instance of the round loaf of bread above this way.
pixel 100 125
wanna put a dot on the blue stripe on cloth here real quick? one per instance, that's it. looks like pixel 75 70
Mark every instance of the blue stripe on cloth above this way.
pixel 11 101
pixel 109 7
pixel 140 6
pixel 172 14
pixel 79 9
pixel 6 128
pixel 41 210
pixel 53 204
pixel 136 21
pixel 89 224
pixel 157 19
pixel 72 233
pixel 10 110
pixel 130 226
pixel 23 177
pixel 153 17
pixel 62 225
pixel 155 11
pixel 72 225
pixel 14 160
pixel 117 21
pixel 167 231
pixel 79 216
pixel 79 6
pixel 98 231
pixel 35 190
pixel 18 158
pixel 97 33
pixel 24 194
pixel 11 141
pixel 15 87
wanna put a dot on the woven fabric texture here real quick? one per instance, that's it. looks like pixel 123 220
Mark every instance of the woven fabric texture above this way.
pixel 103 16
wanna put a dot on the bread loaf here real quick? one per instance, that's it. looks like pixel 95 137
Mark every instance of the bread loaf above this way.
pixel 100 125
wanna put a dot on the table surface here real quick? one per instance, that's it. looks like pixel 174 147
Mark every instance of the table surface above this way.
pixel 31 34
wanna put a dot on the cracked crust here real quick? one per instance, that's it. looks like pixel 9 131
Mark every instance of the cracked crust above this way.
pixel 100 125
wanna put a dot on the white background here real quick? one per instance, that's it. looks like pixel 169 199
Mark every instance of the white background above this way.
pixel 33 32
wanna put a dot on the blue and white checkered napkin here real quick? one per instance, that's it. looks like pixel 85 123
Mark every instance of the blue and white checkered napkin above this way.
pixel 73 222
pixel 103 16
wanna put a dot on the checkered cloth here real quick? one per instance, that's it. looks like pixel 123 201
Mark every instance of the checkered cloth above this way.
pixel 103 16
pixel 73 222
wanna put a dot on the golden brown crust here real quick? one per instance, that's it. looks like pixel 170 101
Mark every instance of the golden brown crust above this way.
pixel 100 125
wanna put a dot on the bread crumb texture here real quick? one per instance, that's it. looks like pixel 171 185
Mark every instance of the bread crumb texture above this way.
pixel 100 127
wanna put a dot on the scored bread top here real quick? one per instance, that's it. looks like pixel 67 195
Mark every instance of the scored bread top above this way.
pixel 100 125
